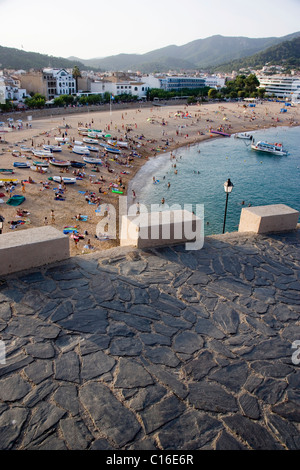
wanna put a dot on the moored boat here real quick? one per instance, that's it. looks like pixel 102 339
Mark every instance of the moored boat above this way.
pixel 92 148
pixel 93 161
pixel 42 153
pixel 52 148
pixel 62 163
pixel 119 143
pixel 112 150
pixel 75 164
pixel 243 135
pixel 87 140
pixel 62 139
pixel 44 164
pixel 64 179
pixel 39 169
pixel 80 150
pixel 267 147
pixel 21 165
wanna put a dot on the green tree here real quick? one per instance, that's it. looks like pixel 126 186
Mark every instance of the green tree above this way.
pixel 212 93
pixel 37 101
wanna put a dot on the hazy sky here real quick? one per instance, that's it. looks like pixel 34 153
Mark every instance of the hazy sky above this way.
pixel 99 28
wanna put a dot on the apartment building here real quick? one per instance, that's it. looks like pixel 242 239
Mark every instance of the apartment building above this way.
pixel 281 86
pixel 50 82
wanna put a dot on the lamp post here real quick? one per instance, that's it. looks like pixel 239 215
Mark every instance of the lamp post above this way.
pixel 228 186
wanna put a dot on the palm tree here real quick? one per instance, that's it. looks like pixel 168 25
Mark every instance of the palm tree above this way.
pixel 76 74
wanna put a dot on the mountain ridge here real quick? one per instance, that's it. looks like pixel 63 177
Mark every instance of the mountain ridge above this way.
pixel 198 54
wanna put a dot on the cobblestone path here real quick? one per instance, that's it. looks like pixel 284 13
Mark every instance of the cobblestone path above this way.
pixel 159 349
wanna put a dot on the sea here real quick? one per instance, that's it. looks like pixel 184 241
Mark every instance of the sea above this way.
pixel 202 169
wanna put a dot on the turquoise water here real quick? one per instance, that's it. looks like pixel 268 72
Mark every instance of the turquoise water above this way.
pixel 258 178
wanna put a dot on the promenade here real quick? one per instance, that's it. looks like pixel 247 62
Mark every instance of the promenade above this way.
pixel 161 349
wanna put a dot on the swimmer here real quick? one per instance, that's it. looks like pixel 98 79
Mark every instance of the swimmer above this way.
pixel 169 185
pixel 163 200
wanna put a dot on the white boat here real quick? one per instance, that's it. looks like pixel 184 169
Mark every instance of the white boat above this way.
pixel 39 169
pixel 42 153
pixel 64 179
pixel 243 135
pixel 112 149
pixel 52 148
pixel 60 162
pixel 89 141
pixel 62 139
pixel 274 149
pixel 43 164
pixel 93 135
pixel 93 161
pixel 80 150
pixel 119 143
pixel 92 149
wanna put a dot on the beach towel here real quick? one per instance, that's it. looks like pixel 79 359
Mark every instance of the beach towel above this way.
pixel 15 200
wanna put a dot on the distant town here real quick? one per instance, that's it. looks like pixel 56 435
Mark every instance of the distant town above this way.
pixel 51 87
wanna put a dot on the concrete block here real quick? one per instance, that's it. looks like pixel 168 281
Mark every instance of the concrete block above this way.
pixel 32 248
pixel 155 229
pixel 266 219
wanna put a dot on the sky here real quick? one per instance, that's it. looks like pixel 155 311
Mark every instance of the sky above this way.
pixel 99 28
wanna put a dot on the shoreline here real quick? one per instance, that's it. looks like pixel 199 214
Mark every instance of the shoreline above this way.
pixel 157 125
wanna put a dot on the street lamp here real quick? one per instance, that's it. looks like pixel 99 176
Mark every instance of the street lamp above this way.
pixel 228 186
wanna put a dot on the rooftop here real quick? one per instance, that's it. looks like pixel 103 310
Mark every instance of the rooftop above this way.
pixel 157 349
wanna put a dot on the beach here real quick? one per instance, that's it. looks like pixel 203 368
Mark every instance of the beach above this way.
pixel 149 132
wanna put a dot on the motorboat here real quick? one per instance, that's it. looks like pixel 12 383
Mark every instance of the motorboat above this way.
pixel 274 149
pixel 243 135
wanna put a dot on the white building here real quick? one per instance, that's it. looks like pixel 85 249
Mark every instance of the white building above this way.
pixel 10 90
pixel 120 87
pixel 214 82
pixel 281 86
pixel 59 82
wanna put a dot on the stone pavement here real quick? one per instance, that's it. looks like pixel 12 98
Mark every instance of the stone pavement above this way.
pixel 158 349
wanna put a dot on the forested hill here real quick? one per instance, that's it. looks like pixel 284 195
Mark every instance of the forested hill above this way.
pixel 286 54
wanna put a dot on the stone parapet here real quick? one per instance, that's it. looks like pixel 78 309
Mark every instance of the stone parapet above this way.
pixel 31 248
pixel 267 219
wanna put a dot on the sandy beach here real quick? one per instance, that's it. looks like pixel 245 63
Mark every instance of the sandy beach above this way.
pixel 149 131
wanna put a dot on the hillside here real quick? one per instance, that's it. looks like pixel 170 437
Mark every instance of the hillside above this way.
pixel 286 54
pixel 11 58
pixel 199 54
